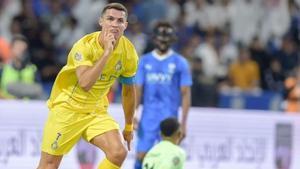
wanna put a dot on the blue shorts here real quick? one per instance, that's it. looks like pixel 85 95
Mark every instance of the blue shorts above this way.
pixel 146 139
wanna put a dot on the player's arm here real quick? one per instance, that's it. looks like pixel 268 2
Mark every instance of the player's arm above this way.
pixel 88 75
pixel 129 104
pixel 185 106
pixel 127 78
pixel 185 83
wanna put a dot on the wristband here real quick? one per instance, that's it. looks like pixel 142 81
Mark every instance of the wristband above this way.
pixel 128 127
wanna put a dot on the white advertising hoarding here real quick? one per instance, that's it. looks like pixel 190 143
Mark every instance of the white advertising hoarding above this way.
pixel 216 138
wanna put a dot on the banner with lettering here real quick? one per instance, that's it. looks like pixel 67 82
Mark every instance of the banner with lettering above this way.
pixel 216 139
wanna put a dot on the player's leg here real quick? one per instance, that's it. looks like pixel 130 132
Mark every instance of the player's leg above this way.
pixel 49 161
pixel 146 140
pixel 111 144
pixel 104 133
pixel 139 160
pixel 62 131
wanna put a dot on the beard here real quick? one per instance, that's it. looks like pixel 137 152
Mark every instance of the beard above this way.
pixel 162 47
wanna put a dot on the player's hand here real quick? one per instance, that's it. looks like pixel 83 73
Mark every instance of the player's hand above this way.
pixel 128 136
pixel 109 41
pixel 183 132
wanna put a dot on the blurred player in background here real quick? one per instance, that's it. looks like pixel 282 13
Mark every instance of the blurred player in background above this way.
pixel 166 154
pixel 78 102
pixel 163 83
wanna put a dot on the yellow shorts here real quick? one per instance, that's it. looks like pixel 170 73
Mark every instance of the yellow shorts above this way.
pixel 64 128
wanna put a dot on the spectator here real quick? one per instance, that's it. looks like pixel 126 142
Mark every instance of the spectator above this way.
pixel 70 33
pixel 274 12
pixel 56 17
pixel 274 77
pixel 261 57
pixel 8 9
pixel 196 14
pixel 137 37
pixel 244 19
pixel 18 78
pixel 208 53
pixel 203 86
pixel 244 73
pixel 228 52
pixel 288 55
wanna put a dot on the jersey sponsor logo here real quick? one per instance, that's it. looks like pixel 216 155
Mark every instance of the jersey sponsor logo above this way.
pixel 78 56
pixel 54 145
pixel 108 77
pixel 105 77
pixel 159 77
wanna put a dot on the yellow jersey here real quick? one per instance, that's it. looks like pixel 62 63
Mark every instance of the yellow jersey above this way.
pixel 67 93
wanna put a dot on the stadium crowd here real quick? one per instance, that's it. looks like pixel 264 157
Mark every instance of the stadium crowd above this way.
pixel 233 46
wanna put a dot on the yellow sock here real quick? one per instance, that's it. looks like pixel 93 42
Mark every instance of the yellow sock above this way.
pixel 106 164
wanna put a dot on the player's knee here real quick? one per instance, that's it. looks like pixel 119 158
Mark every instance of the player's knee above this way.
pixel 118 154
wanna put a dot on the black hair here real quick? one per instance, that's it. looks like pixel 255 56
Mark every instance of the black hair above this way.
pixel 169 126
pixel 164 29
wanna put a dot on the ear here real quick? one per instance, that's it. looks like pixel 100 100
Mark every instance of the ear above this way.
pixel 100 21
pixel 126 24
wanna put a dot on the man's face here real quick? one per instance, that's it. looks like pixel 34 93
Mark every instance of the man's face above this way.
pixel 114 21
pixel 18 49
pixel 162 46
pixel 163 39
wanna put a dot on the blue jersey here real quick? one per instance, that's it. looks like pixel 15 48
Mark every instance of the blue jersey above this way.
pixel 161 79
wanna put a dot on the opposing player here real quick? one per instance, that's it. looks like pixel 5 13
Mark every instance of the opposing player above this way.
pixel 163 81
pixel 78 102
pixel 166 154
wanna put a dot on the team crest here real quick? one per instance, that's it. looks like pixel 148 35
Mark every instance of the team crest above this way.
pixel 118 66
pixel 171 67
pixel 176 161
pixel 78 56
pixel 148 66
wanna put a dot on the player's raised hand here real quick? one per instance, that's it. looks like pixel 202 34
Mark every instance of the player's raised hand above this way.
pixel 108 41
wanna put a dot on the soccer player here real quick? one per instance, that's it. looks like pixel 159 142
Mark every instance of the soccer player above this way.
pixel 164 80
pixel 78 102
pixel 166 154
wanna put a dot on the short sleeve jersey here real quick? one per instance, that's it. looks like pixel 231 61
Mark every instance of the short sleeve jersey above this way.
pixel 165 155
pixel 121 64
